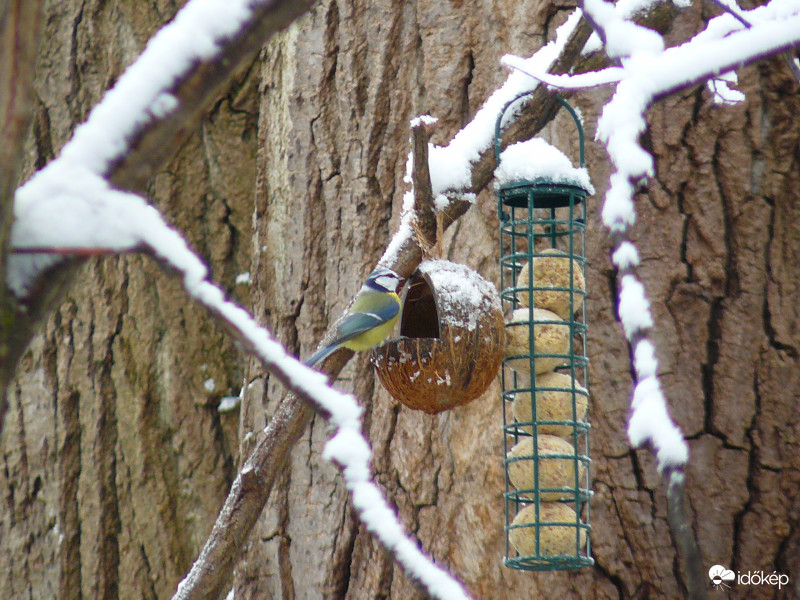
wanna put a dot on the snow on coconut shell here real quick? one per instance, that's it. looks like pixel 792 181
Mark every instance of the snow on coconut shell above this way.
pixel 452 337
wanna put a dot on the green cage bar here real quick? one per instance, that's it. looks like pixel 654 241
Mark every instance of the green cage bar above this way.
pixel 550 514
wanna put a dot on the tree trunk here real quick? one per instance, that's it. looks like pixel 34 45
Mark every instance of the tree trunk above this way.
pixel 116 459
pixel 115 456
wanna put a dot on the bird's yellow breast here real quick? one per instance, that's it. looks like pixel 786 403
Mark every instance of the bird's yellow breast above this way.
pixel 374 336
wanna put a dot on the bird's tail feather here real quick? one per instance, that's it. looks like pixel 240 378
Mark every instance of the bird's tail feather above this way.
pixel 319 355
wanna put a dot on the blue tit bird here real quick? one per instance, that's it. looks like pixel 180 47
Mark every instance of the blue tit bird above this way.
pixel 371 317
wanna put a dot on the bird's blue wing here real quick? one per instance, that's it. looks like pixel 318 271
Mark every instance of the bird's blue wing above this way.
pixel 354 325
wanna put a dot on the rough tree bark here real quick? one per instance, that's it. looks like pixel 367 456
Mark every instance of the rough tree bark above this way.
pixel 115 402
pixel 116 459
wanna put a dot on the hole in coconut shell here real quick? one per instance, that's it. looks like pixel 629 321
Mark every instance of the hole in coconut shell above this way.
pixel 420 318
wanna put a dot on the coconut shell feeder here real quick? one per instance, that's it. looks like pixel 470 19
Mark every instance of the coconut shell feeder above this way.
pixel 541 204
pixel 452 339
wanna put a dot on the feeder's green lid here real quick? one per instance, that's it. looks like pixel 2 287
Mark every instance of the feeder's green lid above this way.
pixel 542 194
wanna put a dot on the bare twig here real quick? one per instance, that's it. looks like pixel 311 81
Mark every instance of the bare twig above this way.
pixel 213 568
pixel 724 66
pixel 680 524
pixel 424 213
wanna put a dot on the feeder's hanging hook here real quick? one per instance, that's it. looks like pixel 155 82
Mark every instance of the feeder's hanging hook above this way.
pixel 564 103
pixel 502 216
pixel 498 139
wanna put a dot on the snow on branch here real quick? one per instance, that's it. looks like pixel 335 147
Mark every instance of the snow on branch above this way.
pixel 647 73
pixel 131 131
pixel 648 76
pixel 733 9
pixel 722 47
pixel 95 216
pixel 70 206
pixel 347 447
pixel 141 92
pixel 451 166
pixel 620 36
pixel 721 90
pixel 582 81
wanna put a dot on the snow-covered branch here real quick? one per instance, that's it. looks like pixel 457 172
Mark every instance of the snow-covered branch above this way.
pixel 125 137
pixel 136 128
pixel 107 219
pixel 737 13
pixel 649 72
pixel 120 149
pixel 452 166
pixel 661 74
pixel 466 165
pixel 647 76
pixel 347 448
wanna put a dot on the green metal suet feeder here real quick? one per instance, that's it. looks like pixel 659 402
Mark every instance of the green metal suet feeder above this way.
pixel 545 369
